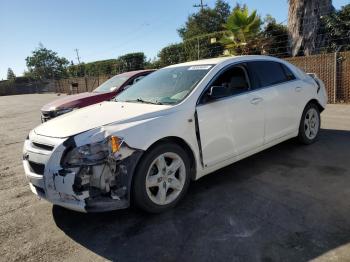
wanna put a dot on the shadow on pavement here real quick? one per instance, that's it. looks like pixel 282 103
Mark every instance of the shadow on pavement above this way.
pixel 287 203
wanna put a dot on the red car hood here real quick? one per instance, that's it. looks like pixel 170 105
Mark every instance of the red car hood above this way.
pixel 78 100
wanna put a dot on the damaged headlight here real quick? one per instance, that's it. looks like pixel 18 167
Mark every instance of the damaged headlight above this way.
pixel 92 154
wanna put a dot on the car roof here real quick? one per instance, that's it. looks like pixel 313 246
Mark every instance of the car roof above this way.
pixel 137 72
pixel 219 60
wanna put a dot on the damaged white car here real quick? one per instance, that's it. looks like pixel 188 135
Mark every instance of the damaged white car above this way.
pixel 178 124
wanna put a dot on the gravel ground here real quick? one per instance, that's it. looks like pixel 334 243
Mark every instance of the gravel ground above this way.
pixel 288 203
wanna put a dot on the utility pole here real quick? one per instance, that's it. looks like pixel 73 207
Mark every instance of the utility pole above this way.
pixel 77 52
pixel 201 5
pixel 78 57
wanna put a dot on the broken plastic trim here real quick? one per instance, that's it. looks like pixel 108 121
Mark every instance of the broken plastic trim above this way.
pixel 103 186
pixel 315 78
pixel 125 170
pixel 198 136
pixel 69 144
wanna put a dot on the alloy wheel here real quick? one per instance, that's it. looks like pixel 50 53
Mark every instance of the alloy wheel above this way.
pixel 165 178
pixel 311 123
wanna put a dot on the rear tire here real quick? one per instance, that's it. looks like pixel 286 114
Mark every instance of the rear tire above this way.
pixel 310 124
pixel 162 178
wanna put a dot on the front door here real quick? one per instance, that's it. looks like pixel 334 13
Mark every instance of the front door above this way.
pixel 234 124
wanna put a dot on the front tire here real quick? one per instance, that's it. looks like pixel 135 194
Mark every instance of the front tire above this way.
pixel 310 124
pixel 162 178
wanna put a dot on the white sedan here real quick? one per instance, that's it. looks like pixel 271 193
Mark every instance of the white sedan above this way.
pixel 178 124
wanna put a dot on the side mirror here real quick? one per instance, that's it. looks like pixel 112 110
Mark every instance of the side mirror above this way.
pixel 217 92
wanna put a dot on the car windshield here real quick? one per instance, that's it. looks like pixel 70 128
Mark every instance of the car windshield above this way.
pixel 111 84
pixel 165 86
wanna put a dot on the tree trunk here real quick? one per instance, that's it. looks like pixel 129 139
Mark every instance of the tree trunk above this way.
pixel 304 19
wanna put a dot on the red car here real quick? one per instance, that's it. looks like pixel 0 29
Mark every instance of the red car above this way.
pixel 106 91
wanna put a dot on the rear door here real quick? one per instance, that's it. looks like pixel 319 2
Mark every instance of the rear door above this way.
pixel 231 125
pixel 280 91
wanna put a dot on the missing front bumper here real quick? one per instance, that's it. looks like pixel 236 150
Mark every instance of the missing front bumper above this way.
pixel 64 188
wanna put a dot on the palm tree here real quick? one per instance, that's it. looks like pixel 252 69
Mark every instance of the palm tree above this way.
pixel 304 20
pixel 241 28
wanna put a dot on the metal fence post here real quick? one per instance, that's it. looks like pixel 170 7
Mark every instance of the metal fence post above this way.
pixel 335 78
pixel 198 48
pixel 86 85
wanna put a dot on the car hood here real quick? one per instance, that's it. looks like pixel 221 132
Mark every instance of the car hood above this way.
pixel 98 115
pixel 68 101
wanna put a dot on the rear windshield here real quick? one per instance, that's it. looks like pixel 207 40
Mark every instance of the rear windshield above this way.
pixel 165 86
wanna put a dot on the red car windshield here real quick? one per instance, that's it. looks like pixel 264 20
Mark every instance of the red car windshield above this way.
pixel 111 84
pixel 166 86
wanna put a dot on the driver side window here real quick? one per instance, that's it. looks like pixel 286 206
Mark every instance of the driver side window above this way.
pixel 232 81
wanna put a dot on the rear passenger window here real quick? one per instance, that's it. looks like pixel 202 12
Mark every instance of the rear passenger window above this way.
pixel 270 73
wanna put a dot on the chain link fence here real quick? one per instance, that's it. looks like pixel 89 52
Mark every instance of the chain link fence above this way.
pixel 332 68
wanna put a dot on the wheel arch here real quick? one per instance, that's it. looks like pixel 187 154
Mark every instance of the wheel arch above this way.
pixel 312 101
pixel 184 145
pixel 303 138
pixel 173 139
pixel 317 103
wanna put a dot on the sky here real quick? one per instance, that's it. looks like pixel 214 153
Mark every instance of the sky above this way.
pixel 101 29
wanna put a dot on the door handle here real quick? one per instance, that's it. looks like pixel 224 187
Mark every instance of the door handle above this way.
pixel 256 100
pixel 298 89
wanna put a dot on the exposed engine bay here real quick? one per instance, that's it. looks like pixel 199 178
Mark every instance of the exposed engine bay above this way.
pixel 105 186
pixel 100 179
pixel 85 177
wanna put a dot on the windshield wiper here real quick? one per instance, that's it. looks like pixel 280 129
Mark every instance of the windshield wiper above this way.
pixel 140 100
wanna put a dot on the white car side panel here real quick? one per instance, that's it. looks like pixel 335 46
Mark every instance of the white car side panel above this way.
pixel 230 127
pixel 215 132
pixel 201 173
pixel 281 109
pixel 143 134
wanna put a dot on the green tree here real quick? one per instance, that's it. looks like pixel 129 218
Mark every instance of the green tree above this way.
pixel 223 10
pixel 103 67
pixel 130 62
pixel 153 63
pixel 188 50
pixel 76 70
pixel 172 54
pixel 10 74
pixel 202 47
pixel 242 31
pixel 274 38
pixel 46 64
pixel 207 20
pixel 337 29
